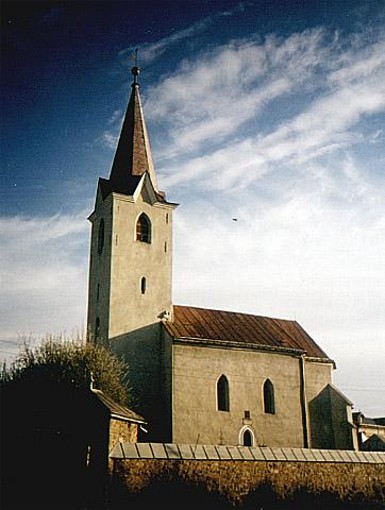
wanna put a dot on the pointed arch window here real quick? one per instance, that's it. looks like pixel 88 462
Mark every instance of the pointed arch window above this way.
pixel 247 438
pixel 101 236
pixel 143 229
pixel 268 397
pixel 223 394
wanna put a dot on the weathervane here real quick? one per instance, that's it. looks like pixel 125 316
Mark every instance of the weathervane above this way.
pixel 135 70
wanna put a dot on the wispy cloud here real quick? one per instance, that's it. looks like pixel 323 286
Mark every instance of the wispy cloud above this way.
pixel 109 139
pixel 335 99
pixel 151 51
pixel 233 84
pixel 116 115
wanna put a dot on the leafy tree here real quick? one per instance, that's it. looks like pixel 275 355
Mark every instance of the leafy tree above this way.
pixel 58 359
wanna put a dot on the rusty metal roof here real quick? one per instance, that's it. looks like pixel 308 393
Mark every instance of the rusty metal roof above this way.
pixel 241 329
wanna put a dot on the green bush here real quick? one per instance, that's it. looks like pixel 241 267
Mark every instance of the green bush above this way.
pixel 77 362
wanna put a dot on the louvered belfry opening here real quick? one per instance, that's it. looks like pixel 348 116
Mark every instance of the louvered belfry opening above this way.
pixel 143 229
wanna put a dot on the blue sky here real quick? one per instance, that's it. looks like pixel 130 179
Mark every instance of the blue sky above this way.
pixel 268 112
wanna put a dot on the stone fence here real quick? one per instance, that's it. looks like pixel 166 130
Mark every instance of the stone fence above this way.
pixel 245 477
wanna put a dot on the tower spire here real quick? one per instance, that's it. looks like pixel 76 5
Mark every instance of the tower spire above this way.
pixel 133 155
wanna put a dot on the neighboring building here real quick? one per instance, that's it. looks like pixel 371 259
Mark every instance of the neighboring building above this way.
pixel 332 424
pixel 123 423
pixel 375 443
pixel 198 375
pixel 370 432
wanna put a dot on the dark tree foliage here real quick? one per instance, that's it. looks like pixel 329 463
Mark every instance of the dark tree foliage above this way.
pixel 76 362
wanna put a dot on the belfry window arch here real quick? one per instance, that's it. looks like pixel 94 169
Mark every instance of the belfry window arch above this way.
pixel 268 397
pixel 143 229
pixel 223 394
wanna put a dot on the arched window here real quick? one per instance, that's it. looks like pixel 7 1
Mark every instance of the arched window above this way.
pixel 223 394
pixel 101 236
pixel 247 438
pixel 97 328
pixel 143 285
pixel 268 397
pixel 143 229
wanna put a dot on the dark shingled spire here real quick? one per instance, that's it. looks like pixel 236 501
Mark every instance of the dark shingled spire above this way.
pixel 133 154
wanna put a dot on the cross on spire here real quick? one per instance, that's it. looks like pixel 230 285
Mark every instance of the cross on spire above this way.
pixel 135 70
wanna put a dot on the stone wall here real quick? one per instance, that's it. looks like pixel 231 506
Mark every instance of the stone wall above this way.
pixel 238 475
pixel 122 431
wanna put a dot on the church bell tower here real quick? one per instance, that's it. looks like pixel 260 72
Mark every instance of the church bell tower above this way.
pixel 130 275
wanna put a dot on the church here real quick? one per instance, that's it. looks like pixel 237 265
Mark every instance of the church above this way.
pixel 198 376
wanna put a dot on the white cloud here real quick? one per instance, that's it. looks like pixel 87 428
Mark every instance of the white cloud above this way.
pixel 327 123
pixel 110 139
pixel 43 281
pixel 116 115
pixel 358 66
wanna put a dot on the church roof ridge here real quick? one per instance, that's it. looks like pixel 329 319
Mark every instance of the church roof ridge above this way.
pixel 221 310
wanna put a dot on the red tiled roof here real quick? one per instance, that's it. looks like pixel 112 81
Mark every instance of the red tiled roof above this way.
pixel 241 328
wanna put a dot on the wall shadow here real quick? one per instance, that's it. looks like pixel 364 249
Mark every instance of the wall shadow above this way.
pixel 147 353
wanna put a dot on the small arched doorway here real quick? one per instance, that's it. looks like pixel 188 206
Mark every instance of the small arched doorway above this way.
pixel 246 437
